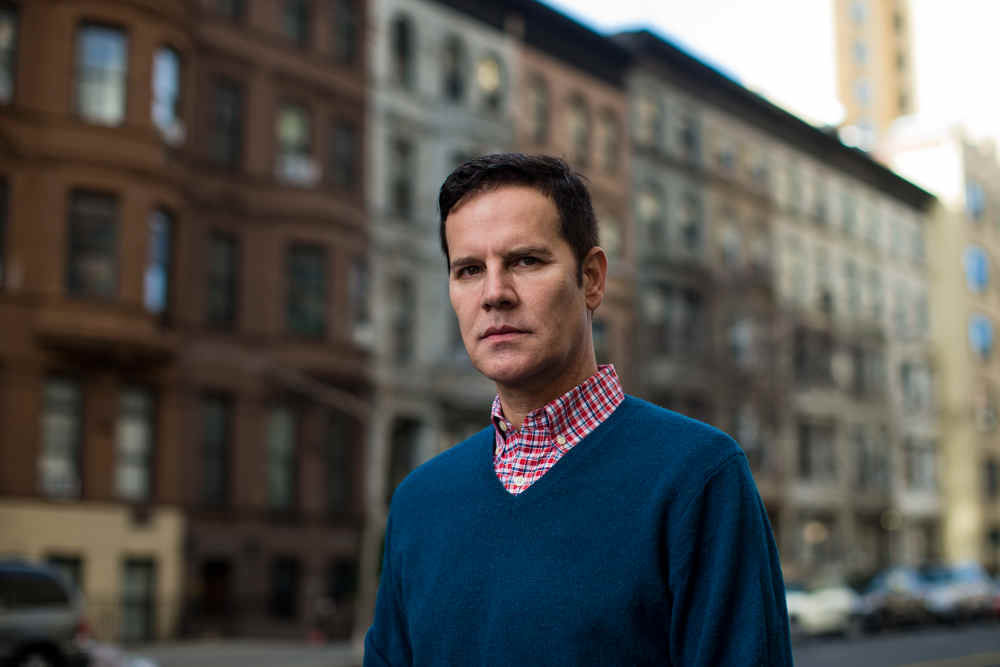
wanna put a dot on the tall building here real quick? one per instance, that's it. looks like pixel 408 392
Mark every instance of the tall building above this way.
pixel 184 375
pixel 874 61
pixel 965 243
pixel 770 258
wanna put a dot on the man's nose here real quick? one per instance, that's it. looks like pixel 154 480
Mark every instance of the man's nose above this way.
pixel 498 290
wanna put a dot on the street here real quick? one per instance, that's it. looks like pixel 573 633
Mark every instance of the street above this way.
pixel 967 646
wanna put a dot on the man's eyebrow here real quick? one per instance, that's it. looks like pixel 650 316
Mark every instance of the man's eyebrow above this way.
pixel 528 250
pixel 462 261
pixel 519 251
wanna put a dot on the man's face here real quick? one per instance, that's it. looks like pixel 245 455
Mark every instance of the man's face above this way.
pixel 513 285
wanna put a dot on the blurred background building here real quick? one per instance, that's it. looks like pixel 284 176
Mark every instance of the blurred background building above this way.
pixel 874 62
pixel 227 334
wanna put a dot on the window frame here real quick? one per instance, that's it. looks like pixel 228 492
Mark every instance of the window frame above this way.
pixel 78 67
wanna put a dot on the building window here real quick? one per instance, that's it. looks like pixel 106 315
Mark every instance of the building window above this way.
pixel 226 141
pixel 285 579
pixel 652 226
pixel 919 459
pixel 217 433
pixel 156 282
pixel 281 458
pixel 825 300
pixel 916 383
pixel 8 51
pixel 339 466
pixel 294 139
pixel 401 178
pixel 92 269
pixel 649 122
pixel 231 9
pixel 362 330
pixel 346 30
pixel 101 68
pixel 859 11
pixel 402 52
pixel 673 319
pixel 62 433
pixel 875 289
pixel 691 222
pixel 981 336
pixel 403 447
pixel 345 150
pixel 307 296
pixel 138 621
pixel 991 479
pixel 853 287
pixel 538 109
pixel 863 91
pixel 342 581
pixel 817 455
pixel 295 21
pixel 860 52
pixel 167 92
pixel 4 205
pixel 454 70
pixel 490 79
pixel 690 137
pixel 609 142
pixel 403 319
pixel 975 200
pixel 749 433
pixel 812 357
pixel 223 280
pixel 69 566
pixel 579 131
pixel 135 443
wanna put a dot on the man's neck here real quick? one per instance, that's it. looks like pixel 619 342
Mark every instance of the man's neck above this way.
pixel 518 402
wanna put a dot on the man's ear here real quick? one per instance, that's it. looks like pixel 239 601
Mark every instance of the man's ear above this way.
pixel 595 274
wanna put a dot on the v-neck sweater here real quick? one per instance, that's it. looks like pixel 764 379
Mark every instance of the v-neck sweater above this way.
pixel 647 545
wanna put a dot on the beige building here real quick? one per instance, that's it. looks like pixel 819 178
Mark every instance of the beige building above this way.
pixel 781 295
pixel 965 243
pixel 874 56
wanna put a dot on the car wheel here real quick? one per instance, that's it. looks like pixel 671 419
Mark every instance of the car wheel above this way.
pixel 36 658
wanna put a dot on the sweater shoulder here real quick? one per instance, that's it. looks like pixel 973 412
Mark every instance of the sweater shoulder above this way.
pixel 445 470
pixel 665 435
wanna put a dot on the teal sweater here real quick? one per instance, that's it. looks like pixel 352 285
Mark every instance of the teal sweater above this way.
pixel 646 544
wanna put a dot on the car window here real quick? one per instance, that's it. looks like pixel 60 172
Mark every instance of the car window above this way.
pixel 19 590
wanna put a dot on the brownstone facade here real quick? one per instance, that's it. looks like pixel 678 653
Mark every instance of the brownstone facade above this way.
pixel 208 266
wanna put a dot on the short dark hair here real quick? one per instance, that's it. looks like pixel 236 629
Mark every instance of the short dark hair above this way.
pixel 549 175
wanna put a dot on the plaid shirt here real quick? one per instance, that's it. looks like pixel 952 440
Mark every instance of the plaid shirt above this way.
pixel 520 458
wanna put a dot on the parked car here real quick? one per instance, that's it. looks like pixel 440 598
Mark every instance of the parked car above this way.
pixel 955 593
pixel 894 597
pixel 41 618
pixel 823 608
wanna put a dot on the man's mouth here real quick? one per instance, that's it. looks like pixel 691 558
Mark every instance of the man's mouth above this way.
pixel 497 332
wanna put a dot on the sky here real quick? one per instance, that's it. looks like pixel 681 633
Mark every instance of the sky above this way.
pixel 753 41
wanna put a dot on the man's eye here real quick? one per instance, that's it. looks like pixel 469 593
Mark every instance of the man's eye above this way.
pixel 527 261
pixel 466 271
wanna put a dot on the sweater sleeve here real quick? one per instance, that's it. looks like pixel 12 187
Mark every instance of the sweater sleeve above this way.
pixel 386 642
pixel 728 597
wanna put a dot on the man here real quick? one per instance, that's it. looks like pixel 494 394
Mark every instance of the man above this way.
pixel 583 526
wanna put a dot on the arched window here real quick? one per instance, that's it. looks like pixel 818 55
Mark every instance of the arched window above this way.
pixel 454 69
pixel 401 44
pixel 579 131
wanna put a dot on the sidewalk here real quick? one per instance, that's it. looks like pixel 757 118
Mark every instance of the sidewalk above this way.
pixel 246 653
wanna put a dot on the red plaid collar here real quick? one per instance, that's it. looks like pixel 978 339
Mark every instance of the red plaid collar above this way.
pixel 572 416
